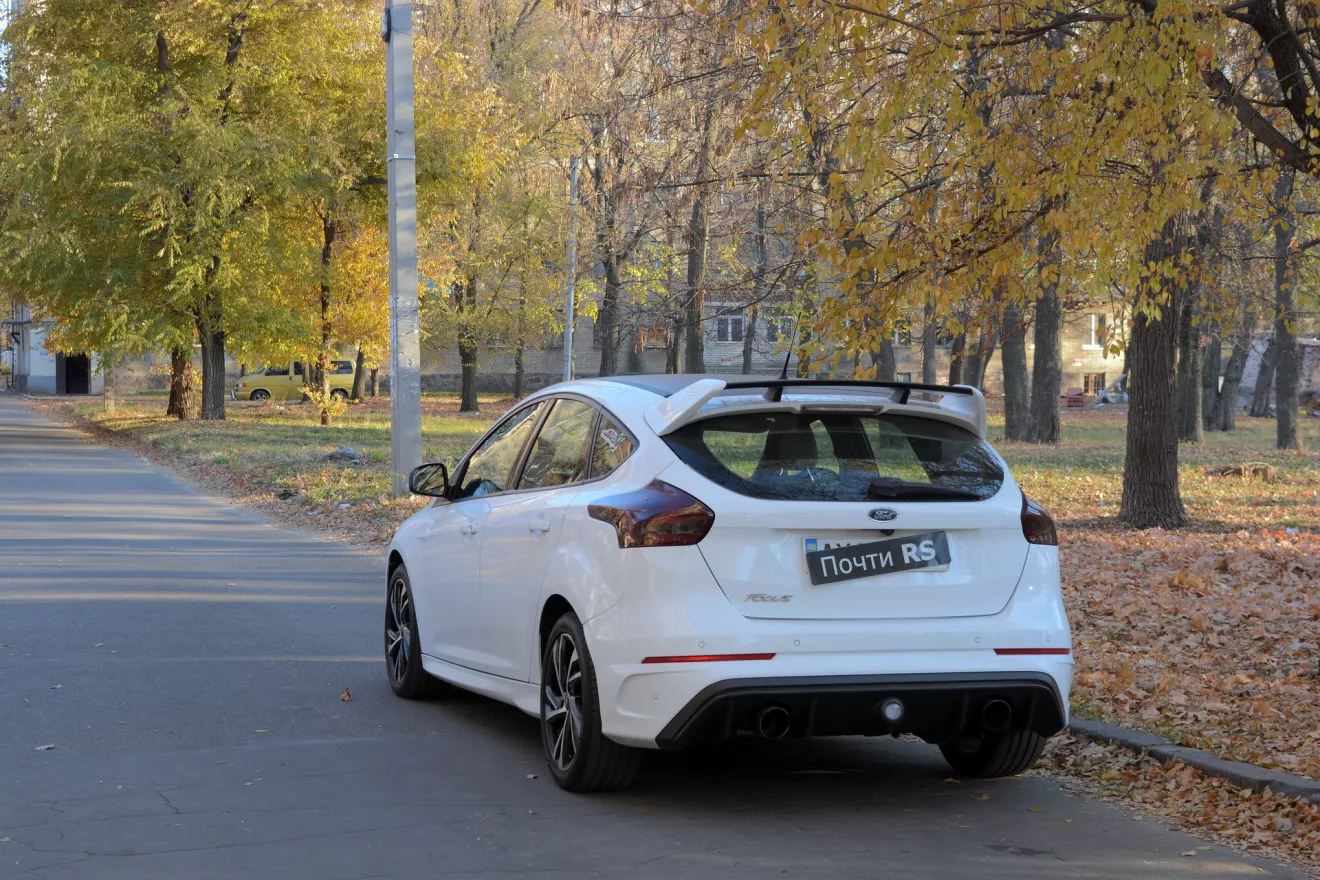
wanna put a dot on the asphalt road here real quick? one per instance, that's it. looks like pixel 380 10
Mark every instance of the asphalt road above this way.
pixel 186 662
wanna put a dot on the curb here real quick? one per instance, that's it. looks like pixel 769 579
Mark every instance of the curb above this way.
pixel 1244 775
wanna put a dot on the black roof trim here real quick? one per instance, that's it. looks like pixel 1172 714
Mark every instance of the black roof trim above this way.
pixel 669 384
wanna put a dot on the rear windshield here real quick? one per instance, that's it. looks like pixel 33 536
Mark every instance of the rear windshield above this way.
pixel 839 457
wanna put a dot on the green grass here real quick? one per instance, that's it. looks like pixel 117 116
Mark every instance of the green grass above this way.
pixel 1082 478
pixel 281 447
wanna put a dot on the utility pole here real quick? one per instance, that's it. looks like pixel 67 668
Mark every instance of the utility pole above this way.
pixel 401 163
pixel 569 313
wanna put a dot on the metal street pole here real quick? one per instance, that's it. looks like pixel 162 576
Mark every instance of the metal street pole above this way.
pixel 570 315
pixel 401 163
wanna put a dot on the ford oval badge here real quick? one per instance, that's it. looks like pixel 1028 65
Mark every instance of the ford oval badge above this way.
pixel 883 514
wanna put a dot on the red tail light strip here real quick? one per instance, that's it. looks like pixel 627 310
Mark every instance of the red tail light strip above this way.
pixel 1017 652
pixel 707 658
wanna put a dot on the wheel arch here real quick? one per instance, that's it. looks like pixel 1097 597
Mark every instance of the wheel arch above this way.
pixel 396 559
pixel 554 607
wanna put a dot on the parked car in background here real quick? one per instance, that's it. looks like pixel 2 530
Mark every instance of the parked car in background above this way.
pixel 650 562
pixel 285 382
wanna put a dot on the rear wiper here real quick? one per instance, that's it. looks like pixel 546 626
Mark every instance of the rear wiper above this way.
pixel 891 488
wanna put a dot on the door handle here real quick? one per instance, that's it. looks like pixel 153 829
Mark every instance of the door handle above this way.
pixel 467 529
pixel 539 525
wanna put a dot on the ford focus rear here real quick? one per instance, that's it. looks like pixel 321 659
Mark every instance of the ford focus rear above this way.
pixel 773 558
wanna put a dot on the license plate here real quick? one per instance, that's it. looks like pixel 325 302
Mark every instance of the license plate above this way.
pixel 838 563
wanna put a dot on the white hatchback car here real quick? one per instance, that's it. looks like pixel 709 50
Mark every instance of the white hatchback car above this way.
pixel 657 561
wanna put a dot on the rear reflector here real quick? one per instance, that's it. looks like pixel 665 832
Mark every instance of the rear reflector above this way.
pixel 707 658
pixel 1016 652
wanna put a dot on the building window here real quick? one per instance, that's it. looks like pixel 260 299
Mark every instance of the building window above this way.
pixel 903 337
pixel 943 338
pixel 1098 331
pixel 778 327
pixel 729 328
pixel 902 377
pixel 1093 383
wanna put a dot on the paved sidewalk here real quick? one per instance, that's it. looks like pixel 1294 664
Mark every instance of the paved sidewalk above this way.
pixel 186 662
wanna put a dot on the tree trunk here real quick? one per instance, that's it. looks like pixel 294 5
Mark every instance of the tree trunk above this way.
pixel 108 368
pixel 758 284
pixel 1150 470
pixel 749 336
pixel 375 381
pixel 956 357
pixel 607 318
pixel 467 356
pixel 672 346
pixel 359 377
pixel 974 372
pixel 694 353
pixel 1188 377
pixel 328 230
pixel 929 375
pixel 183 385
pixel 1287 367
pixel 1017 388
pixel 1260 399
pixel 1047 365
pixel 210 330
pixel 1211 364
pixel 1237 363
pixel 886 361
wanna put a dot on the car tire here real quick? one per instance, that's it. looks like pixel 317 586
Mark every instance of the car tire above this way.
pixel 580 756
pixel 259 395
pixel 339 394
pixel 403 648
pixel 1004 753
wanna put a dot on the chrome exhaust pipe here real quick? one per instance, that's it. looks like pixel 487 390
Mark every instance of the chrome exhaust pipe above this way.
pixel 996 716
pixel 772 722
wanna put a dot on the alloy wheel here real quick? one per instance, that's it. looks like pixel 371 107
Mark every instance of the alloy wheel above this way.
pixel 563 701
pixel 398 630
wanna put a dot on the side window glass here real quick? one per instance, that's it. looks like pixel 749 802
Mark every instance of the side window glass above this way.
pixel 559 455
pixel 613 445
pixel 297 368
pixel 489 467
pixel 275 371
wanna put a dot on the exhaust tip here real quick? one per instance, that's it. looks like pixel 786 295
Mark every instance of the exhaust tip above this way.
pixel 772 722
pixel 996 716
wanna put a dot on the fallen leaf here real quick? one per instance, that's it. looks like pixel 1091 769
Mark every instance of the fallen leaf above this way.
pixel 45 748
pixel 1190 852
pixel 1110 776
pixel 54 687
pixel 531 775
pixel 982 796
pixel 1035 809
pixel 954 781
pixel 346 696
pixel 261 731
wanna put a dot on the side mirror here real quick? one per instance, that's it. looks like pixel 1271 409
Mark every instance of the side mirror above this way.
pixel 431 479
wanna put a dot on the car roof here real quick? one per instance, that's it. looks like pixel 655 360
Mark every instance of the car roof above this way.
pixel 688 397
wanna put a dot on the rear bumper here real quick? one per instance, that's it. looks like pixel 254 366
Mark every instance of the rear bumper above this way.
pixel 936 707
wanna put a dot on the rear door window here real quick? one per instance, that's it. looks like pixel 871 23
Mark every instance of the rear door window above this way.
pixel 840 457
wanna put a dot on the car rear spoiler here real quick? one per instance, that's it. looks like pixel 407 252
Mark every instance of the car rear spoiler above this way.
pixel 965 403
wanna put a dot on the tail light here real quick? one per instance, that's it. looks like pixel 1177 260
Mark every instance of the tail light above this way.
pixel 659 515
pixel 1037 525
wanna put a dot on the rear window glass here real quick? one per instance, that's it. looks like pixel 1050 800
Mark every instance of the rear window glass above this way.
pixel 840 457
